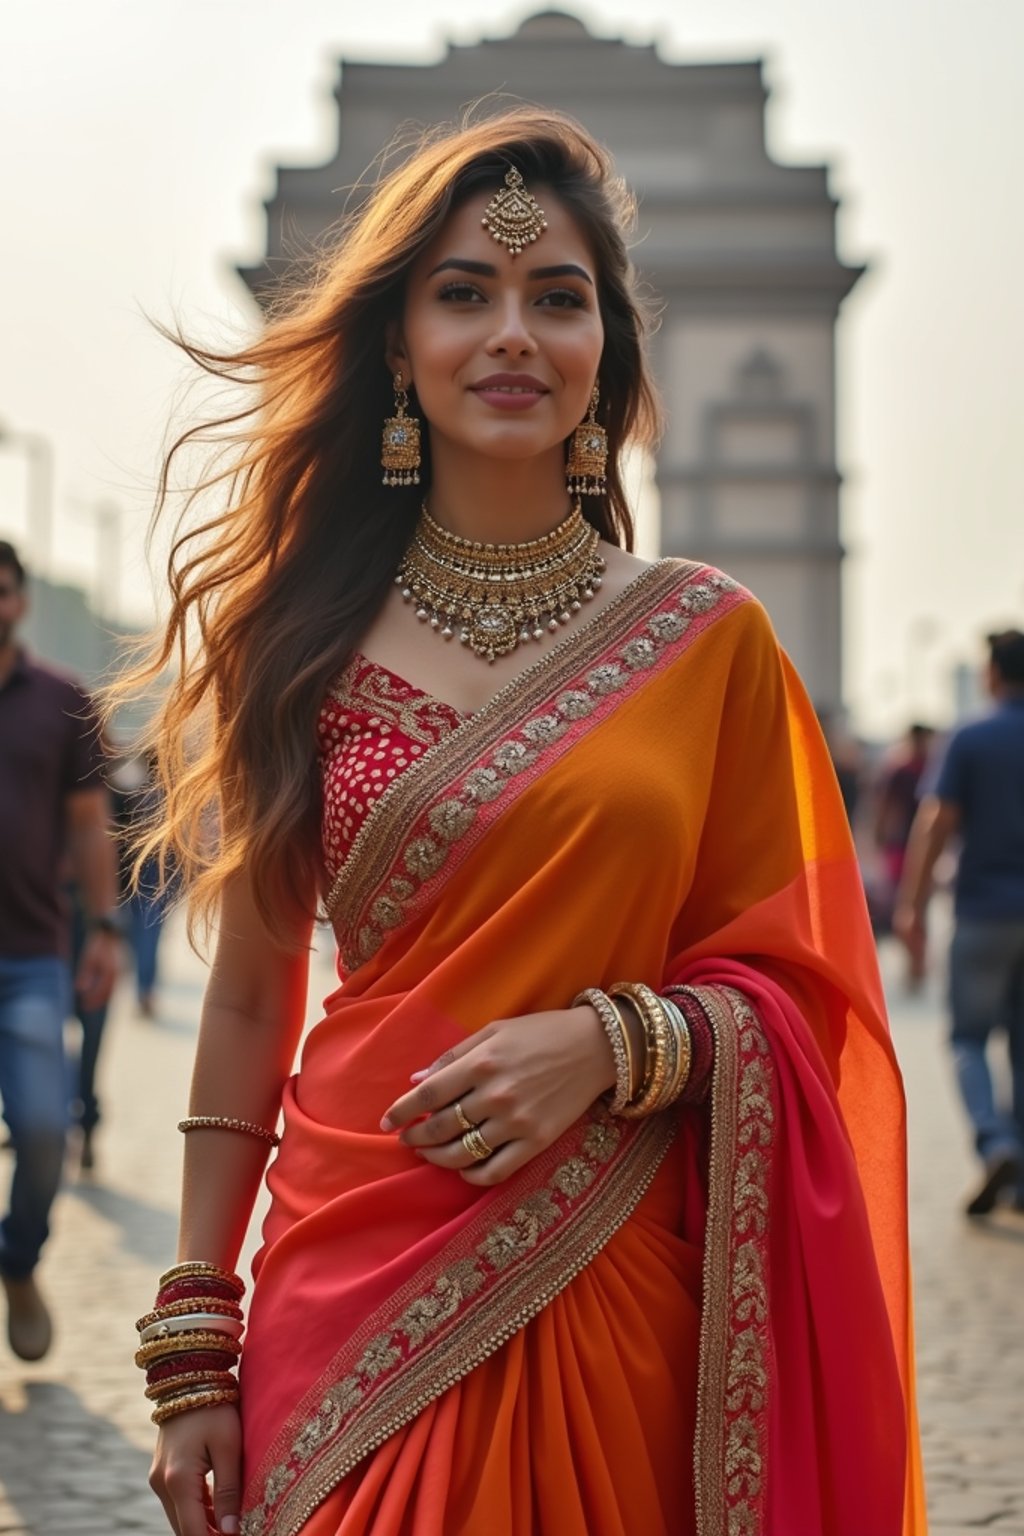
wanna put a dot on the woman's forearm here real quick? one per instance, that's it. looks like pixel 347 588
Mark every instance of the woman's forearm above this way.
pixel 242 1063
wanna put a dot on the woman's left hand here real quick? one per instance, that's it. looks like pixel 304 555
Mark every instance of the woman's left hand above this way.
pixel 520 1082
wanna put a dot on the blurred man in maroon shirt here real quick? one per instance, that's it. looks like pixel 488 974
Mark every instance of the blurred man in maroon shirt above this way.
pixel 53 803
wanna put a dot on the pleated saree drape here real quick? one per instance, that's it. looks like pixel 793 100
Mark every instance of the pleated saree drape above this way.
pixel 694 1323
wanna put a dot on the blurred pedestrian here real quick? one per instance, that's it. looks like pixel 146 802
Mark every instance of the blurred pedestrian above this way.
pixel 52 799
pixel 979 794
pixel 92 1020
pixel 152 893
pixel 897 796
pixel 847 758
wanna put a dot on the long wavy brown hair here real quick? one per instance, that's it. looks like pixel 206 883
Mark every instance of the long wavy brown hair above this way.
pixel 270 596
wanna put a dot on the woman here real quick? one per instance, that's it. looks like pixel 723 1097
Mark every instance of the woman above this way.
pixel 545 1252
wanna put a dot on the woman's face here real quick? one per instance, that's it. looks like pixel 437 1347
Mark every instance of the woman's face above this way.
pixel 503 351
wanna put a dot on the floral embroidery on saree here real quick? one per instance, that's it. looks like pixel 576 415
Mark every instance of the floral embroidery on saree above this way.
pixel 445 802
pixel 523 1252
pixel 735 1344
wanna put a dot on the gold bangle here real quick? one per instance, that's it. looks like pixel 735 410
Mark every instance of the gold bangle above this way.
pixel 200 1269
pixel 183 1344
pixel 190 1400
pixel 191 1379
pixel 684 1062
pixel 615 1028
pixel 627 1046
pixel 228 1123
pixel 213 1304
pixel 660 1047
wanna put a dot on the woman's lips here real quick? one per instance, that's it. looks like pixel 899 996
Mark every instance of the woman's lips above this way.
pixel 509 394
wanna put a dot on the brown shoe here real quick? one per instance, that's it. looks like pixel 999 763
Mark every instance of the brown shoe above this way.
pixel 1002 1171
pixel 28 1322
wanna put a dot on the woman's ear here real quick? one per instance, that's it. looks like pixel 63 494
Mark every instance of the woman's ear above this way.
pixel 395 354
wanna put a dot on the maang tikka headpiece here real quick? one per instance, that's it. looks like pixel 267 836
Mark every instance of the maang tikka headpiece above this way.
pixel 513 216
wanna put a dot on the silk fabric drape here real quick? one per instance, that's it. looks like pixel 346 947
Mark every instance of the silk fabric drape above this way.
pixel 650 801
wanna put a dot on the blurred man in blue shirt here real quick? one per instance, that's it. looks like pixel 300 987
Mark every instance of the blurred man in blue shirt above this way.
pixel 979 795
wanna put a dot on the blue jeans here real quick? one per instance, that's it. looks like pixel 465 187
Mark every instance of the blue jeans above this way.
pixel 85 1104
pixel 146 921
pixel 987 993
pixel 35 995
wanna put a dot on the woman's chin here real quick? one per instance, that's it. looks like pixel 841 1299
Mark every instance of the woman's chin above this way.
pixel 511 443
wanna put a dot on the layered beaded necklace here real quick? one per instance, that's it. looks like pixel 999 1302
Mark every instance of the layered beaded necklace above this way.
pixel 497 596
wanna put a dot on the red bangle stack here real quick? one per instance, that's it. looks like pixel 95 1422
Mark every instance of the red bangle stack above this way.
pixel 702 1040
pixel 189 1342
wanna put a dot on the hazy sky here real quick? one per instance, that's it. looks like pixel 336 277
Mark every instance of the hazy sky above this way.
pixel 138 140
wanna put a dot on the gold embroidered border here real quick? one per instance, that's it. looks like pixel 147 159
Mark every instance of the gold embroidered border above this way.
pixel 473 1307
pixel 735 1360
pixel 401 847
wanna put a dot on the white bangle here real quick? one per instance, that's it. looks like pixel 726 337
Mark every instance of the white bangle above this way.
pixel 208 1322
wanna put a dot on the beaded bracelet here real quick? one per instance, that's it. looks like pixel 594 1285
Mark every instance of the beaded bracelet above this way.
pixel 657 1039
pixel 190 1304
pixel 618 1038
pixel 228 1123
pixel 200 1269
pixel 169 1386
pixel 191 1287
pixel 182 1343
pixel 684 1050
pixel 190 1400
pixel 200 1360
pixel 702 1041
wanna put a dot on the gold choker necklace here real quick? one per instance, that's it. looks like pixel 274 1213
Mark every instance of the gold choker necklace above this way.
pixel 498 596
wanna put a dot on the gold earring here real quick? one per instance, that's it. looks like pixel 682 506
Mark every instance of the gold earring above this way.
pixel 400 444
pixel 588 454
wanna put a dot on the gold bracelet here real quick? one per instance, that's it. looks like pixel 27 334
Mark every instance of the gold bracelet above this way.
pixel 190 1400
pixel 228 1123
pixel 193 1380
pixel 627 1045
pixel 217 1305
pixel 200 1269
pixel 615 1028
pixel 684 1062
pixel 660 1046
pixel 184 1343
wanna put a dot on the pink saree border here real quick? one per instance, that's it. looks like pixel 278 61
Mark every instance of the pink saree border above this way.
pixel 736 1362
pixel 517 1254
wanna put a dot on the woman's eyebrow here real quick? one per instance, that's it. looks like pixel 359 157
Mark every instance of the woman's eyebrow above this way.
pixel 567 269
pixel 458 264
pixel 485 269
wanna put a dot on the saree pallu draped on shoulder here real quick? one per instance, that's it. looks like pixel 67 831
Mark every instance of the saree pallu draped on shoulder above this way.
pixel 652 801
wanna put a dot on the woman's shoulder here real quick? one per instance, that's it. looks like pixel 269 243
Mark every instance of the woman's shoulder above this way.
pixel 697 587
pixel 706 592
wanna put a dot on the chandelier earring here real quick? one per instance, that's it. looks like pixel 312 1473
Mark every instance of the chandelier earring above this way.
pixel 400 444
pixel 587 464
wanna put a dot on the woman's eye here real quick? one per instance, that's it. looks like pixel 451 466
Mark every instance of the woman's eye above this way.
pixel 563 298
pixel 460 293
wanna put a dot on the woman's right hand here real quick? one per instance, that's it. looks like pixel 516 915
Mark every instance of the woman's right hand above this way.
pixel 189 1448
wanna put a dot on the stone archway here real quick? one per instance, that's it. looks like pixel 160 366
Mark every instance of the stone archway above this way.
pixel 741 249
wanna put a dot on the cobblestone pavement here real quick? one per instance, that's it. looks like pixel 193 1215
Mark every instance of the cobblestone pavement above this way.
pixel 74 1430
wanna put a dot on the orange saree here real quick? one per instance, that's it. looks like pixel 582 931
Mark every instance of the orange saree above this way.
pixel 695 1323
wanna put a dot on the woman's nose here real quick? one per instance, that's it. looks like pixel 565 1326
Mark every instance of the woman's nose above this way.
pixel 512 333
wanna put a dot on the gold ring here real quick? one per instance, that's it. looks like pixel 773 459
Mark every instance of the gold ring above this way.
pixel 476 1146
pixel 465 1123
